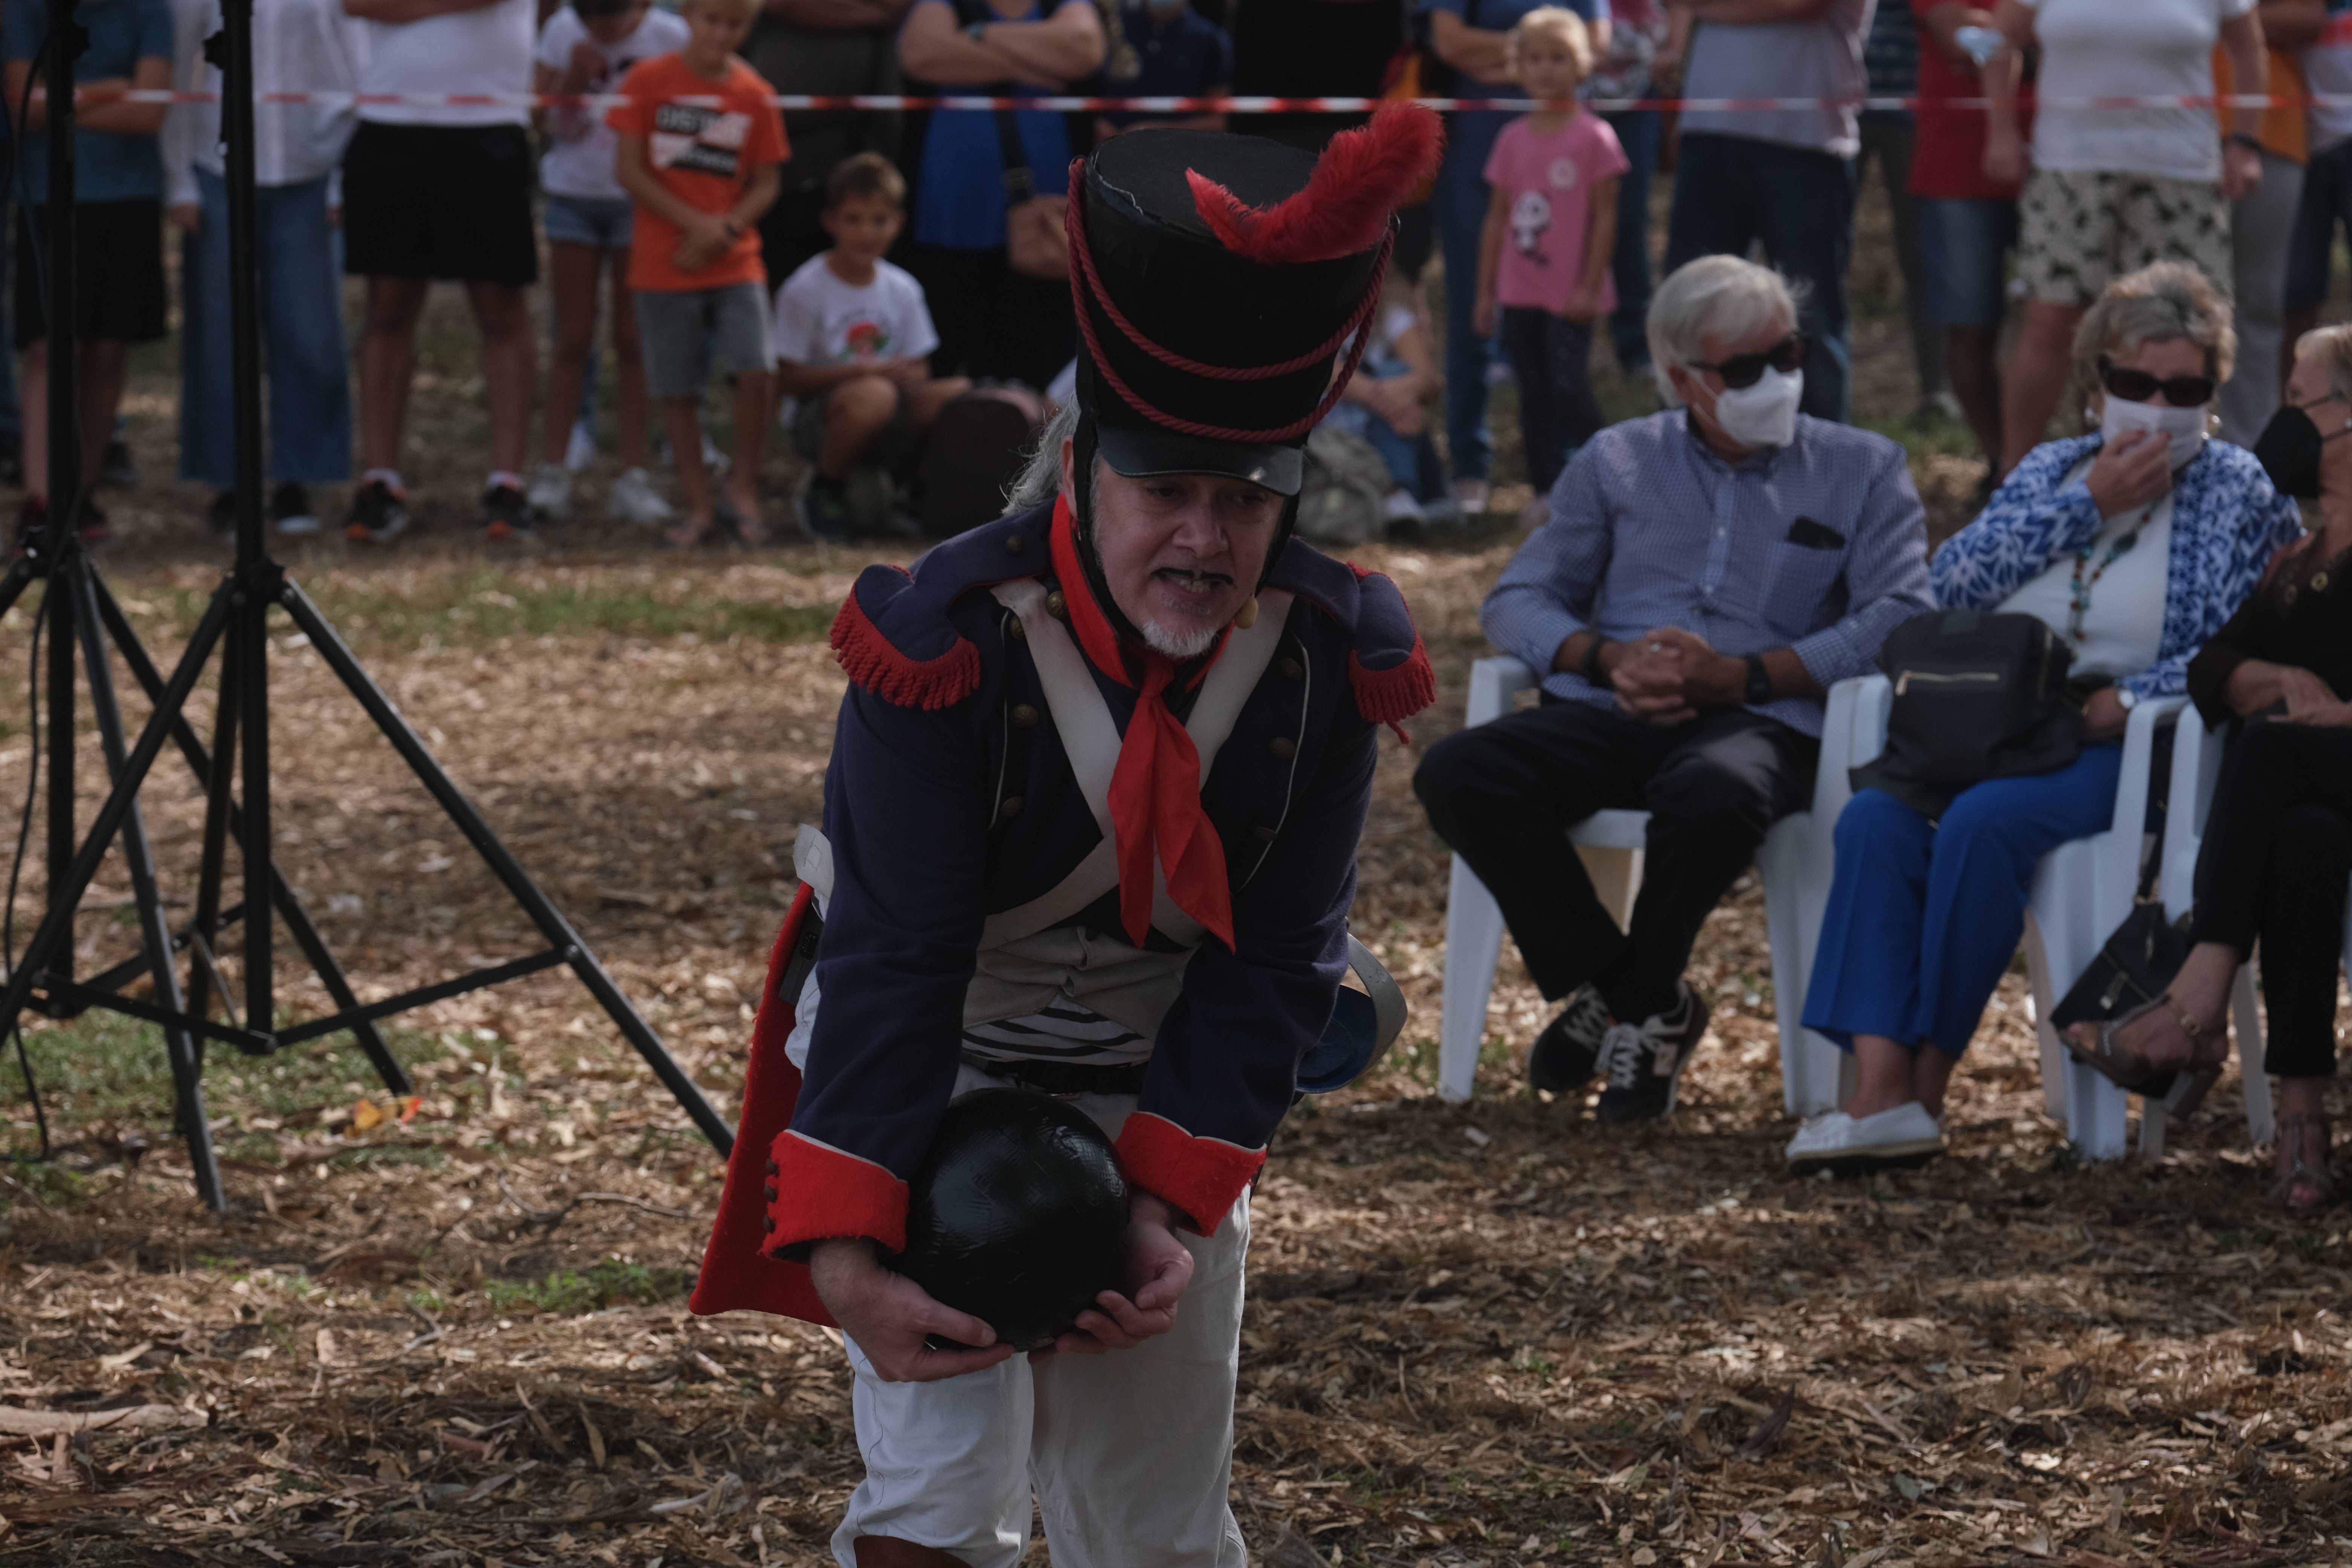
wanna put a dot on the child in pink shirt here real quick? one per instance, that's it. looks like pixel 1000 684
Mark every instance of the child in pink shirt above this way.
pixel 1551 228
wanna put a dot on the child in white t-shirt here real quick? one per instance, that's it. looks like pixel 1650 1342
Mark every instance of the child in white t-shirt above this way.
pixel 585 49
pixel 853 340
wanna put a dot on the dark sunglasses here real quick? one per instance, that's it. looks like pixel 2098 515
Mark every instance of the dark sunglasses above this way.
pixel 1746 370
pixel 2138 386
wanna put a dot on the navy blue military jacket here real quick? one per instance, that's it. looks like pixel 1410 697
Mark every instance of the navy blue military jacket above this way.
pixel 950 798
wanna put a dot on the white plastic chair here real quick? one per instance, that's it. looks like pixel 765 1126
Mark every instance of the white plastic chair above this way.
pixel 2082 892
pixel 1794 861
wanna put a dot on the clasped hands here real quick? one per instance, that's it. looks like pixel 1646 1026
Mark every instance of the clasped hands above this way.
pixel 893 1319
pixel 1664 676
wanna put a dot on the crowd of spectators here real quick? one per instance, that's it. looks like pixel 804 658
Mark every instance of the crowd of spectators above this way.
pixel 1532 270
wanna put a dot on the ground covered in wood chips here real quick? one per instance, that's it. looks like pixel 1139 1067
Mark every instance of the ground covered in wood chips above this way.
pixel 456 1334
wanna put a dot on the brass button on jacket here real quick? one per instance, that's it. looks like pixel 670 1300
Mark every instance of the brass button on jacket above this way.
pixel 1283 748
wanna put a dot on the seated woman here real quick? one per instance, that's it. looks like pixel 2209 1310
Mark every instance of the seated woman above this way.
pixel 2135 544
pixel 2277 853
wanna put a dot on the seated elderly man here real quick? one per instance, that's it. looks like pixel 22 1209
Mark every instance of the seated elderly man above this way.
pixel 1706 575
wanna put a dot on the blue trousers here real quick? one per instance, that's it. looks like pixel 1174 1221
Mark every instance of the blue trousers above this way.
pixel 302 333
pixel 1731 192
pixel 1458 204
pixel 1924 917
pixel 1639 131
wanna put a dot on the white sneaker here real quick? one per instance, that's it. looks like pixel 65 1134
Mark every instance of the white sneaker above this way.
pixel 550 494
pixel 1400 506
pixel 634 499
pixel 581 449
pixel 1472 495
pixel 1906 1135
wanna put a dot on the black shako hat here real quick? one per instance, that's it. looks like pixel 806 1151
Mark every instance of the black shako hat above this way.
pixel 1217 278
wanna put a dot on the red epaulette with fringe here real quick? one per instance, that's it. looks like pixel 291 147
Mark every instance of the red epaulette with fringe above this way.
pixel 879 665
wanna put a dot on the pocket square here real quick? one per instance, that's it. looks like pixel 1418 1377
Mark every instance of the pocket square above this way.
pixel 1814 535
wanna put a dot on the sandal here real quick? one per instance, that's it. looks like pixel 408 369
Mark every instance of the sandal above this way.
pixel 2290 1143
pixel 2118 1064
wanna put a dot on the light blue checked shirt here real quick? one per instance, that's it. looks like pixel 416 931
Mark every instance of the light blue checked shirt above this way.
pixel 1820 546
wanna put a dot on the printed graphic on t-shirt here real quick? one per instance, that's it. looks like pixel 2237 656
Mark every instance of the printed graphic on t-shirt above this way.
pixel 1530 221
pixel 693 136
pixel 865 340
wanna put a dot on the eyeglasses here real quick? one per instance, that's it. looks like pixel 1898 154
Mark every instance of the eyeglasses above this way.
pixel 2138 386
pixel 1746 370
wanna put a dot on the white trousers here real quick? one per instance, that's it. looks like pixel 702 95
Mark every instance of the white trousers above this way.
pixel 1130 1453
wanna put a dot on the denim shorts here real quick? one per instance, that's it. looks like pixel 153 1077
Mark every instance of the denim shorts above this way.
pixel 682 328
pixel 1966 241
pixel 587 220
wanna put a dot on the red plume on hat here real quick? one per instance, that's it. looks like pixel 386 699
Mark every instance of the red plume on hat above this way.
pixel 1357 185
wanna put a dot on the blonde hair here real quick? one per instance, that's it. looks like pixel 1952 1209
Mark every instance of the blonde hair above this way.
pixel 1563 24
pixel 2166 302
pixel 739 9
pixel 2333 347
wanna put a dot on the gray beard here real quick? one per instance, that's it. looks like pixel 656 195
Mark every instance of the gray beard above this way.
pixel 1189 646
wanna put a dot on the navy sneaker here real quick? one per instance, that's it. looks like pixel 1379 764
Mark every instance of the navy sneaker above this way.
pixel 379 514
pixel 1564 1056
pixel 506 513
pixel 1644 1062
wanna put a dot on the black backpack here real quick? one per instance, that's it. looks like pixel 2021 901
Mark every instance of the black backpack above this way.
pixel 1977 697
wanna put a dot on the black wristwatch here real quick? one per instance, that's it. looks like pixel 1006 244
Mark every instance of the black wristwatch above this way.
pixel 1759 679
pixel 1591 668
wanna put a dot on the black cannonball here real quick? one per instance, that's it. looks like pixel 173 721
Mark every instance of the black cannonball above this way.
pixel 1018 1214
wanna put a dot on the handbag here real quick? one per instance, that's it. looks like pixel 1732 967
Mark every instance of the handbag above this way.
pixel 1036 242
pixel 1977 696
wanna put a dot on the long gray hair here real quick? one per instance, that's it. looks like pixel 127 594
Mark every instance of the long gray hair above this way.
pixel 1040 476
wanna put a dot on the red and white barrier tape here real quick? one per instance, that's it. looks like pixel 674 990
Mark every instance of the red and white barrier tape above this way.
pixel 1067 103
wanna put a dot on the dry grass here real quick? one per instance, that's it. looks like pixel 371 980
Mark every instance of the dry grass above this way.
pixel 1488 1334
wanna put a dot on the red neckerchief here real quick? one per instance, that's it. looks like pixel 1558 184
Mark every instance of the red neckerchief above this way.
pixel 1155 791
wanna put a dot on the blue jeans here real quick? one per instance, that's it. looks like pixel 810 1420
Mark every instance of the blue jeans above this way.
pixel 1639 131
pixel 1459 204
pixel 1923 917
pixel 302 336
pixel 1733 191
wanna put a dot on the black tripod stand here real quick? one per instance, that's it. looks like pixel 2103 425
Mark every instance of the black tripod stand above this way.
pixel 83 619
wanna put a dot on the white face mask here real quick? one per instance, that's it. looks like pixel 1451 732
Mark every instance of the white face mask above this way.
pixel 2184 429
pixel 1764 415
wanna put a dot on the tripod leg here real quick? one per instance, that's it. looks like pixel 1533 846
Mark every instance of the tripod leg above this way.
pixel 61 741
pixel 298 924
pixel 217 789
pixel 503 865
pixel 187 1073
pixel 58 920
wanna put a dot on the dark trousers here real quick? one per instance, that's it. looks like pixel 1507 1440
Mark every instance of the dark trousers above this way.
pixel 2275 864
pixel 1731 192
pixel 1639 132
pixel 1551 358
pixel 993 323
pixel 1504 794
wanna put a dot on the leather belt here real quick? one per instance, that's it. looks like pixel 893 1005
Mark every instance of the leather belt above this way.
pixel 1067 1080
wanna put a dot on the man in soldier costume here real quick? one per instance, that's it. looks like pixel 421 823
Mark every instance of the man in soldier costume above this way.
pixel 1090 827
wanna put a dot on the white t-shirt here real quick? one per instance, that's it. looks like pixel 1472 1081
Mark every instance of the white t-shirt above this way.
pixel 486 50
pixel 2123 626
pixel 2120 48
pixel 580 146
pixel 2327 70
pixel 822 321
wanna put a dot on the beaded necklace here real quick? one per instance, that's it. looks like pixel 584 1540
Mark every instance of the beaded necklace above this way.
pixel 2079 611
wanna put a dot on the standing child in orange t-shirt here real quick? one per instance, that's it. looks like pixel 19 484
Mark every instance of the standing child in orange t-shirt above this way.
pixel 699 147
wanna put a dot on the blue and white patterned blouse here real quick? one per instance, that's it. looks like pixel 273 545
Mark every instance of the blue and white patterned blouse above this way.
pixel 2227 523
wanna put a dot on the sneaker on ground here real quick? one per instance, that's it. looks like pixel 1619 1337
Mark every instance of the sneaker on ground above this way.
pixel 580 451
pixel 823 509
pixel 1850 1145
pixel 634 499
pixel 379 514
pixel 1563 1058
pixel 1472 495
pixel 91 527
pixel 1401 507
pixel 222 513
pixel 550 494
pixel 118 469
pixel 506 514
pixel 1644 1062
pixel 291 511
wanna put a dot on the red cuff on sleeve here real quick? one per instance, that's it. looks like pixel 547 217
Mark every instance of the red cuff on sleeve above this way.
pixel 1201 1176
pixel 816 1193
